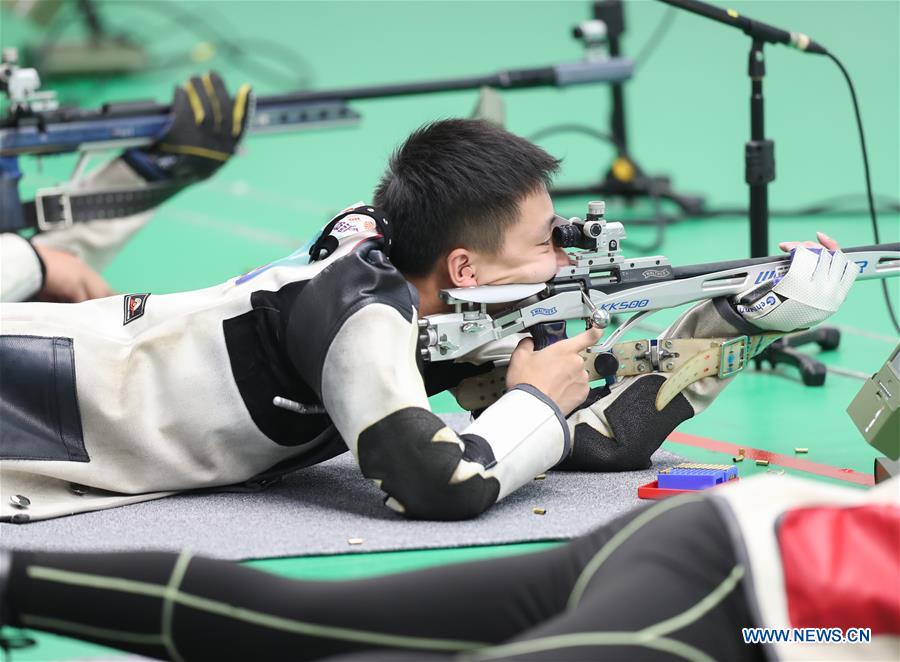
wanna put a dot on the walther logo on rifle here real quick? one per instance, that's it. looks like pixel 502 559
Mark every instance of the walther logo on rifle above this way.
pixel 656 273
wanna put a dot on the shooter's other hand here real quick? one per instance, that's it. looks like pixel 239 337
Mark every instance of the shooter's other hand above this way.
pixel 557 370
pixel 824 242
pixel 67 279
pixel 814 287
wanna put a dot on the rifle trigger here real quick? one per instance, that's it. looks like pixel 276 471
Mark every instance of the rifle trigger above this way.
pixel 598 317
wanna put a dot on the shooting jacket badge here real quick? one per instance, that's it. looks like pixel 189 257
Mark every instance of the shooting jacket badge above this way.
pixel 135 305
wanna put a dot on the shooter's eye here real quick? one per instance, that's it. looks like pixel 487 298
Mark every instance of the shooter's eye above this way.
pixel 568 236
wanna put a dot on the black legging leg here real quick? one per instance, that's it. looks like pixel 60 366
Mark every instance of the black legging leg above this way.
pixel 667 587
pixel 177 607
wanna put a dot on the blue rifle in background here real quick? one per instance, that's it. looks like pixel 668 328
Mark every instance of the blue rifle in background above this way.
pixel 35 124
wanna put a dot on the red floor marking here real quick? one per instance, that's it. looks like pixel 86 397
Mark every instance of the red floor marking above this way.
pixel 848 475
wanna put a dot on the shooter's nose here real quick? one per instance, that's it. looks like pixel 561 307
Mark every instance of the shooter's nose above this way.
pixel 562 258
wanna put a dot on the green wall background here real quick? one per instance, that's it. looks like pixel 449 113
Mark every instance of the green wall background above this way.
pixel 687 111
pixel 688 115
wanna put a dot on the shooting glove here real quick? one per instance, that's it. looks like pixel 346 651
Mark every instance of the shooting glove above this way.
pixel 206 129
pixel 813 288
pixel 620 430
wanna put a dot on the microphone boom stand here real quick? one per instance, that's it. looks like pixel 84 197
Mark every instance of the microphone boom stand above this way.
pixel 759 157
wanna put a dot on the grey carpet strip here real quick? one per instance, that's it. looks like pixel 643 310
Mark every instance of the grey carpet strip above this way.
pixel 319 510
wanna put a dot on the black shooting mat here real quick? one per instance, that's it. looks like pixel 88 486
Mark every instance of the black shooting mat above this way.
pixel 320 509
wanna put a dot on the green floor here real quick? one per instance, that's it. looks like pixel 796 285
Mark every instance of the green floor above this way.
pixel 688 118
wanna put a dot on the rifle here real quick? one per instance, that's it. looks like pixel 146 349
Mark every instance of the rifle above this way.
pixel 601 282
pixel 36 125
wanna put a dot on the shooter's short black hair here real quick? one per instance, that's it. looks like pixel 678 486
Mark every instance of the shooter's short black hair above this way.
pixel 457 183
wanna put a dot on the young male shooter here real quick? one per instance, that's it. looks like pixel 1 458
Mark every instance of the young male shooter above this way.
pixel 154 394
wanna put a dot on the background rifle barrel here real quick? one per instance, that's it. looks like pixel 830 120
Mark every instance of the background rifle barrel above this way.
pixel 573 73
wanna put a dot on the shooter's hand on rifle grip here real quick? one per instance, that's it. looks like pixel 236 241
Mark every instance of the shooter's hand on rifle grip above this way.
pixel 547 333
pixel 557 370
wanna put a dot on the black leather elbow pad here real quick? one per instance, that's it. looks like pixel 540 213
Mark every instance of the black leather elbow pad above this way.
pixel 398 451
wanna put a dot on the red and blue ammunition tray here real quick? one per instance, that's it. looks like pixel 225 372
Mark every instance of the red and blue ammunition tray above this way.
pixel 687 477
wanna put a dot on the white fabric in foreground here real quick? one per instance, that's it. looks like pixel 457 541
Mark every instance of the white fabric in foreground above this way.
pixel 756 506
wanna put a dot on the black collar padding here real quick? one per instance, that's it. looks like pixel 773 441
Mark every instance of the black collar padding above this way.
pixel 327 243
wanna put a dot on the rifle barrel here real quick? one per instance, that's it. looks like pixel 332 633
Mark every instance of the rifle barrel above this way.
pixel 693 270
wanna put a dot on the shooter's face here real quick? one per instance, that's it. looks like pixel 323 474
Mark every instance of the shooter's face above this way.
pixel 528 254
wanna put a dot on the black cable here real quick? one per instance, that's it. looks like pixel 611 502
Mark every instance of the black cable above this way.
pixel 175 60
pixel 14 640
pixel 242 51
pixel 577 128
pixel 656 37
pixel 825 207
pixel 680 218
pixel 865 155
pixel 203 29
pixel 832 206
pixel 828 206
pixel 236 48
pixel 659 221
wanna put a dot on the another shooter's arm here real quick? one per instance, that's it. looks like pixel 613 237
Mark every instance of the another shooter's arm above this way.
pixel 206 128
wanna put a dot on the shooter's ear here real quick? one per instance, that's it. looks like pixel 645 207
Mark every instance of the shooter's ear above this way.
pixel 460 268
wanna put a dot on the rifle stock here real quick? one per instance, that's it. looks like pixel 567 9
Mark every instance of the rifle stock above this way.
pixel 593 289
